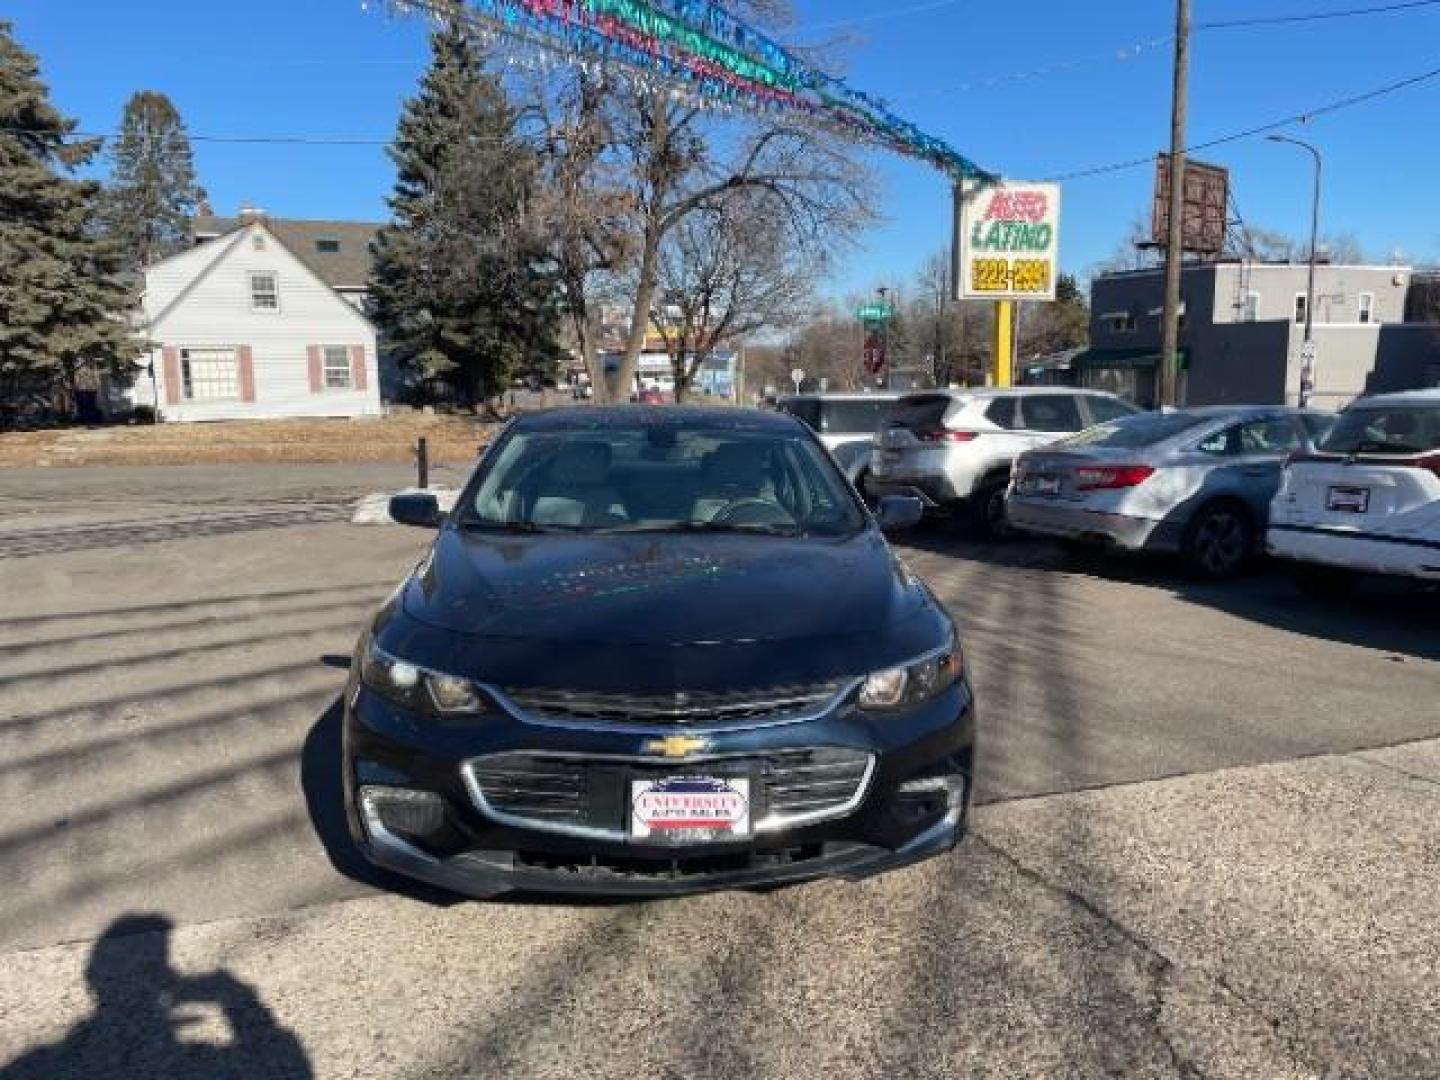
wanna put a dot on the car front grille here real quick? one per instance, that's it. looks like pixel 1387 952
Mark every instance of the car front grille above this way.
pixel 770 705
pixel 577 796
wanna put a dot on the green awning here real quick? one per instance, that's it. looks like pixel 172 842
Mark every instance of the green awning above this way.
pixel 1091 359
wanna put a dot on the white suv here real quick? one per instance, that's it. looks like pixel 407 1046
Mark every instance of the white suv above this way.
pixel 955 447
pixel 1368 500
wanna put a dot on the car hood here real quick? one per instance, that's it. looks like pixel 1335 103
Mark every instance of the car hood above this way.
pixel 660 612
pixel 651 589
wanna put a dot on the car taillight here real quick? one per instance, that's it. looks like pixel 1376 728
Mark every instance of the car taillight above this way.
pixel 1110 477
pixel 1430 462
pixel 950 436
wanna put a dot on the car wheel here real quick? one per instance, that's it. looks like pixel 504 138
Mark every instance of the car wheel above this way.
pixel 1220 540
pixel 1323 582
pixel 988 505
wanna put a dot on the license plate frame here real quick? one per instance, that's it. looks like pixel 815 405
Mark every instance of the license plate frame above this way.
pixel 685 809
pixel 1040 485
pixel 1342 499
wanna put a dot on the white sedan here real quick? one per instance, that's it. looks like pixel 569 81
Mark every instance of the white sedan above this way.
pixel 1369 500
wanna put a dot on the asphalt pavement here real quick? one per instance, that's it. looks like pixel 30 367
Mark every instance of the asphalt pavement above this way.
pixel 1206 844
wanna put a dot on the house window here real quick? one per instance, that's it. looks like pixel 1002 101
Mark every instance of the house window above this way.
pixel 327 246
pixel 264 292
pixel 1301 302
pixel 1121 322
pixel 1367 307
pixel 1251 311
pixel 210 374
pixel 337 368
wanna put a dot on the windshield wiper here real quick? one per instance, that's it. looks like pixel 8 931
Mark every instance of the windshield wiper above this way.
pixel 707 527
pixel 484 525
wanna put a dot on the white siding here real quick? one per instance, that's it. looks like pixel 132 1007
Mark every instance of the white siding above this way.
pixel 216 311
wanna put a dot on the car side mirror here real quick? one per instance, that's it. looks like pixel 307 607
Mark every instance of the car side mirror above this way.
pixel 897 512
pixel 418 508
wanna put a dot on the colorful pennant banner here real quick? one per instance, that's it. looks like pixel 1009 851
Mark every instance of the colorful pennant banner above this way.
pixel 697 51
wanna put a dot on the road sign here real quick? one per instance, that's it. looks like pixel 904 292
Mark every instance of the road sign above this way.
pixel 1011 241
pixel 1309 353
pixel 797 377
pixel 876 311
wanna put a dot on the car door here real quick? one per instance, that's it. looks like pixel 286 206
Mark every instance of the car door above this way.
pixel 1252 457
pixel 1044 418
pixel 1103 408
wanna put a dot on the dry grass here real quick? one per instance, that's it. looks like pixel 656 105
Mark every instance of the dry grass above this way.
pixel 452 440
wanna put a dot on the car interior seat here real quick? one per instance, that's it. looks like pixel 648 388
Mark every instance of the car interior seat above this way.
pixel 578 491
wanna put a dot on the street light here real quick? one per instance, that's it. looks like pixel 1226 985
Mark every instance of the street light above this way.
pixel 1307 362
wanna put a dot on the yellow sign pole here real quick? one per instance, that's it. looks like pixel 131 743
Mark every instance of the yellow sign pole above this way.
pixel 1004 341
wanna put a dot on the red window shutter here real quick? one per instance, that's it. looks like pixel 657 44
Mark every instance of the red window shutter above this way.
pixel 247 373
pixel 359 377
pixel 317 369
pixel 172 375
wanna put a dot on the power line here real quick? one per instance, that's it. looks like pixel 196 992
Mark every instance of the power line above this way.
pixel 1129 52
pixel 879 16
pixel 1318 16
pixel 251 140
pixel 1261 129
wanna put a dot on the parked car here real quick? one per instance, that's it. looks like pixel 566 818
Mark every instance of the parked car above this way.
pixel 954 448
pixel 650 396
pixel 846 424
pixel 1197 482
pixel 1368 500
pixel 652 654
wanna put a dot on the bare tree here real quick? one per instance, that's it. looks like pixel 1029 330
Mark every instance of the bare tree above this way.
pixel 680 167
pixel 723 274
pixel 583 205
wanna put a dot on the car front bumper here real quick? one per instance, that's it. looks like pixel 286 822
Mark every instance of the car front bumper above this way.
pixel 912 804
pixel 1070 522
pixel 1412 557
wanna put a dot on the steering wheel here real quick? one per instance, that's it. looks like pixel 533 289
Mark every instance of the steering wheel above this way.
pixel 752 512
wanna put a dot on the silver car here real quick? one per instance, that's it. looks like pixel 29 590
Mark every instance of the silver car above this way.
pixel 954 448
pixel 846 423
pixel 1198 482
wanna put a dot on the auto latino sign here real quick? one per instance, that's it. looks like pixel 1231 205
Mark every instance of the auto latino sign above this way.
pixel 1011 242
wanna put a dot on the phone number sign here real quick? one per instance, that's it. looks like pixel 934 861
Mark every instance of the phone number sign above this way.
pixel 1011 242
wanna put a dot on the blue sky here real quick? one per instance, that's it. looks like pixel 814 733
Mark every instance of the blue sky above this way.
pixel 332 68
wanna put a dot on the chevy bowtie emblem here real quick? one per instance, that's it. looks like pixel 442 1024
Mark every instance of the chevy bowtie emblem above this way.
pixel 676 746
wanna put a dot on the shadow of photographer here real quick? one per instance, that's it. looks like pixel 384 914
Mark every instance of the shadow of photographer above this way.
pixel 150 1020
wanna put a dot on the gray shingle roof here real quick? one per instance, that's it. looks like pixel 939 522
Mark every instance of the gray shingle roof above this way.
pixel 347 268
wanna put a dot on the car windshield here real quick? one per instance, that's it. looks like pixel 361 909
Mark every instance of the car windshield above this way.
pixel 1385 430
pixel 1133 432
pixel 853 416
pixel 662 477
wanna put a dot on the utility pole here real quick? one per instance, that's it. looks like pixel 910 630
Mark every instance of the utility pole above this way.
pixel 1175 236
pixel 885 339
pixel 1308 352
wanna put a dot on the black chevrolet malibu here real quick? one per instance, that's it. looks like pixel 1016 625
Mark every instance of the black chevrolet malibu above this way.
pixel 652 652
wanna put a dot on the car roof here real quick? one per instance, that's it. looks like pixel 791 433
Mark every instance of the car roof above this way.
pixel 616 417
pixel 1403 397
pixel 985 392
pixel 847 395
pixel 1217 412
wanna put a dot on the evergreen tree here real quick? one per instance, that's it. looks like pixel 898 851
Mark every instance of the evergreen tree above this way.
pixel 460 289
pixel 63 303
pixel 153 194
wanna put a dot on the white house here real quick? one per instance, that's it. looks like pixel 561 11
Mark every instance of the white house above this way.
pixel 242 328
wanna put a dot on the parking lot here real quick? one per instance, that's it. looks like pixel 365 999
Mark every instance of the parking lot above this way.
pixel 1205 844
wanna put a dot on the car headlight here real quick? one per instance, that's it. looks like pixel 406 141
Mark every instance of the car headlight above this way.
pixel 914 683
pixel 418 688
